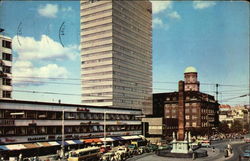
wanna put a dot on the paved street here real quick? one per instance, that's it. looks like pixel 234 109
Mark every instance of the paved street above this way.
pixel 153 157
pixel 239 150
pixel 218 155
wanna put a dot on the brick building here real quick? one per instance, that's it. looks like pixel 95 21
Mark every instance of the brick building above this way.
pixel 201 109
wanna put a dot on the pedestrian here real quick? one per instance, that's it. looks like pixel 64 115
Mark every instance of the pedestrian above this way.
pixel 194 156
pixel 20 157
pixel 213 149
pixel 226 152
pixel 239 158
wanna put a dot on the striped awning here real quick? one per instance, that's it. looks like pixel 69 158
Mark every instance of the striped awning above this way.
pixel 70 142
pixel 117 138
pixel 31 145
pixel 143 137
pixel 107 139
pixel 131 137
pixel 15 147
pixel 78 141
pixel 44 144
pixel 2 147
pixel 92 140
pixel 53 143
pixel 64 143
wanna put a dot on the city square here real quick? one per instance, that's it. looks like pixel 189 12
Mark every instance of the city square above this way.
pixel 122 80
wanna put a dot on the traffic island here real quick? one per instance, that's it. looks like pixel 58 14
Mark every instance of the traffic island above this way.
pixel 196 154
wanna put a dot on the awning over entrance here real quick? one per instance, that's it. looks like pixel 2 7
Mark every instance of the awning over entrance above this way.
pixel 31 145
pixel 131 137
pixel 64 143
pixel 53 143
pixel 107 139
pixel 15 147
pixel 2 147
pixel 117 138
pixel 70 142
pixel 44 144
pixel 92 140
pixel 78 141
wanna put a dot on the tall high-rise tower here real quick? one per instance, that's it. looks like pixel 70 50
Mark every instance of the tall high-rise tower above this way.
pixel 116 53
pixel 5 67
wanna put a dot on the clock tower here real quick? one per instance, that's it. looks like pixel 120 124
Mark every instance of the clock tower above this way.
pixel 191 81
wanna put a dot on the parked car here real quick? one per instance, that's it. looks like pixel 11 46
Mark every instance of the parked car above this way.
pixel 152 147
pixel 164 147
pixel 143 149
pixel 109 156
pixel 205 143
pixel 246 154
pixel 104 149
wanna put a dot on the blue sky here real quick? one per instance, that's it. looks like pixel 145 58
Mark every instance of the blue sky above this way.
pixel 211 36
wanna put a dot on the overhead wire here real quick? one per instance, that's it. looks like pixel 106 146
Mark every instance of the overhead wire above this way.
pixel 36 80
pixel 167 82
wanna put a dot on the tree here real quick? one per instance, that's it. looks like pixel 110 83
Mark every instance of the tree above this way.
pixel 223 127
pixel 236 127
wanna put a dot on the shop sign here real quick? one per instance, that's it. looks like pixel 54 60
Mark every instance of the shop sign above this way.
pixel 82 109
pixel 8 140
pixel 37 138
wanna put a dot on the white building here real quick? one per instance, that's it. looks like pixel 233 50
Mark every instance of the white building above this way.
pixel 5 67
pixel 116 53
pixel 28 126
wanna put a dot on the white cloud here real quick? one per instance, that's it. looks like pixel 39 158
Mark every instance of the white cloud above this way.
pixel 159 6
pixel 202 4
pixel 43 49
pixel 157 22
pixel 49 10
pixel 174 15
pixel 67 9
pixel 25 72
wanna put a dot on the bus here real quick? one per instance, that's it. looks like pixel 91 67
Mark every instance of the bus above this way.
pixel 86 154
pixel 138 143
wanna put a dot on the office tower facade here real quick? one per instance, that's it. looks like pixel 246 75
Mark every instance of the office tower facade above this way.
pixel 116 54
pixel 5 67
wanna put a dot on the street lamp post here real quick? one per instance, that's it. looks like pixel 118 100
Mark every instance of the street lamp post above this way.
pixel 104 121
pixel 62 146
pixel 63 133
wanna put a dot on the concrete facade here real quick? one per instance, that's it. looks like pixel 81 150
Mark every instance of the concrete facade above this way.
pixel 5 67
pixel 116 54
pixel 30 122
pixel 155 126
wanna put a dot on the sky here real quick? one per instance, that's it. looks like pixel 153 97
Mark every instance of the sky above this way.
pixel 212 36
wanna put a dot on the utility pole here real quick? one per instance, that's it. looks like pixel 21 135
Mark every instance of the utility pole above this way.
pixel 217 93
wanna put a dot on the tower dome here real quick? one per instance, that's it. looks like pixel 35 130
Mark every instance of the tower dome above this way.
pixel 190 69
